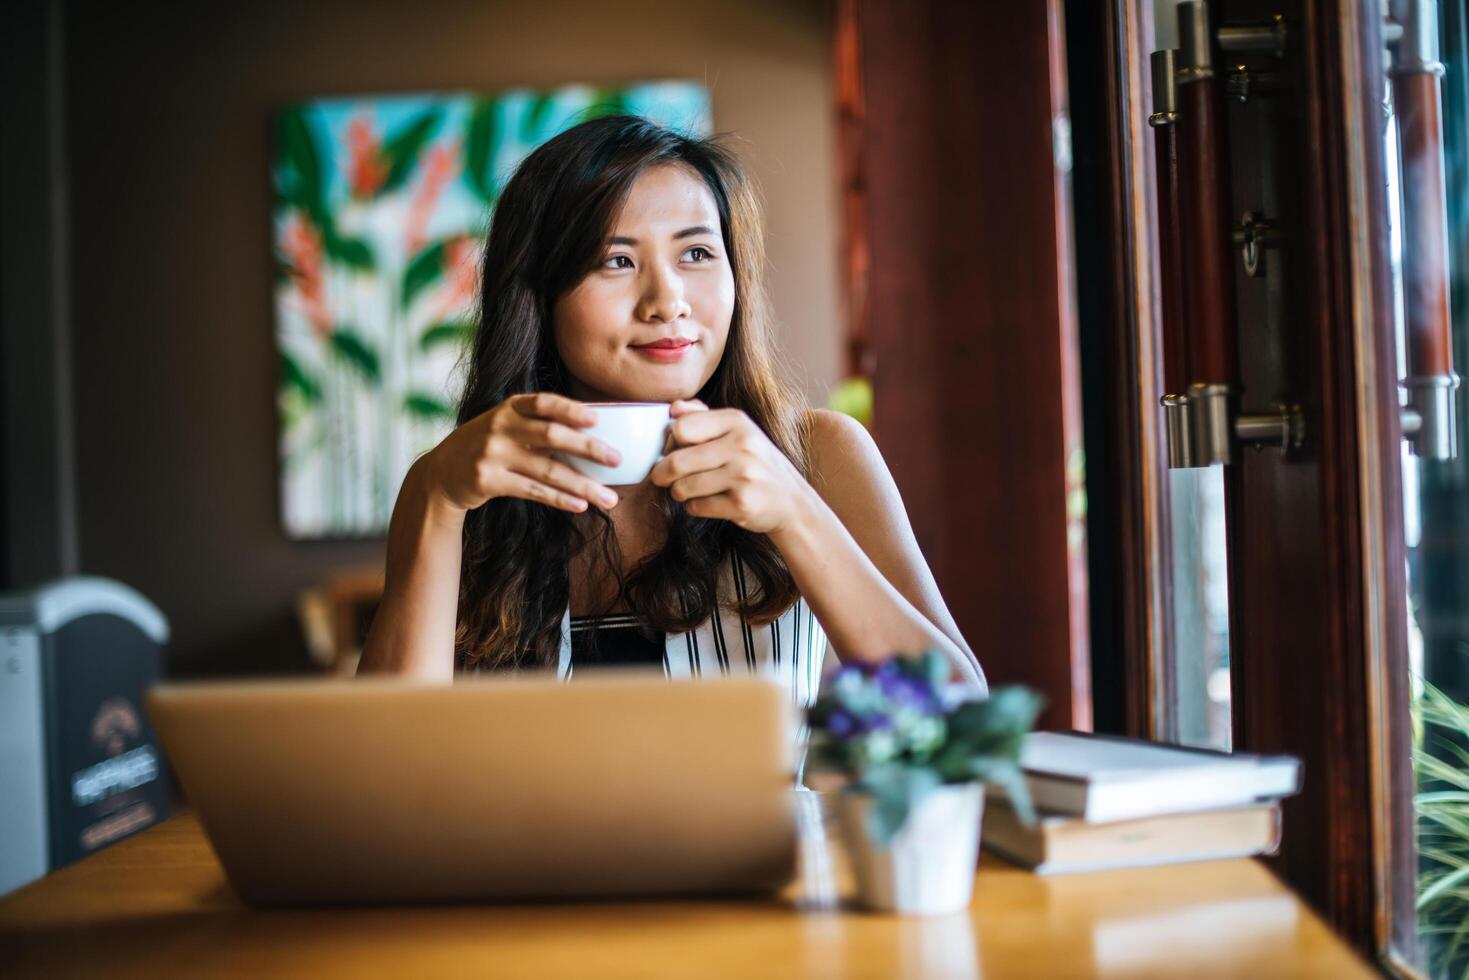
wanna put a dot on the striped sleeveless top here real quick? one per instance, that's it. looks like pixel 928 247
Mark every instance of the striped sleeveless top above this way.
pixel 792 649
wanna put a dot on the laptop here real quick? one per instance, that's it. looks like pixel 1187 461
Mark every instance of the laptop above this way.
pixel 384 790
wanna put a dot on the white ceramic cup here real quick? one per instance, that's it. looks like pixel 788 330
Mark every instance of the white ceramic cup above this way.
pixel 638 430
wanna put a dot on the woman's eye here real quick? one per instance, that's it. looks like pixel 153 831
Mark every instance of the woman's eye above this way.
pixel 707 255
pixel 613 262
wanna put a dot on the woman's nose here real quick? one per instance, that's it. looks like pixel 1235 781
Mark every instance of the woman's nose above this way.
pixel 663 298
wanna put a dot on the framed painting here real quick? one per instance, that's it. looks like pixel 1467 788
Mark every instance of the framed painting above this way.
pixel 381 208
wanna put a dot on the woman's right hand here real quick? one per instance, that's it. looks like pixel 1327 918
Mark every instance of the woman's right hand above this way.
pixel 506 452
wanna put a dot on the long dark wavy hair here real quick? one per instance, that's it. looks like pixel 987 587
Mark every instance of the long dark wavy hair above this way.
pixel 548 232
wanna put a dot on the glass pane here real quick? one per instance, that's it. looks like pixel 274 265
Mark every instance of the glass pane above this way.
pixel 1199 678
pixel 1436 531
pixel 1198 689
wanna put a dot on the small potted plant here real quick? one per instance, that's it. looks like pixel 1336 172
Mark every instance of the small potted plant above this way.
pixel 917 759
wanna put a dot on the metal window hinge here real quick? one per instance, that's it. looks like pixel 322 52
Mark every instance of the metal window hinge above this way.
pixel 1203 427
pixel 1428 418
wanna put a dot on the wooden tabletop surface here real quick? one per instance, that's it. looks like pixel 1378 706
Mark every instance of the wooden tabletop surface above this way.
pixel 158 905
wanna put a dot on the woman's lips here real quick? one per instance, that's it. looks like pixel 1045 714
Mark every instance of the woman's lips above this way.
pixel 665 351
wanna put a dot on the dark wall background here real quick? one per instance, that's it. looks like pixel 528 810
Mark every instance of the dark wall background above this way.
pixel 38 534
pixel 1086 65
pixel 173 364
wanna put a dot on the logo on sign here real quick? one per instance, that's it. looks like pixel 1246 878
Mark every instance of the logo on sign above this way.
pixel 116 723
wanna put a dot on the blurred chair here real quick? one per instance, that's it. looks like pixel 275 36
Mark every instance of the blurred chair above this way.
pixel 336 615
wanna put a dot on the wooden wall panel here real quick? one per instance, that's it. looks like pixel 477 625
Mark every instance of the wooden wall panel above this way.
pixel 971 324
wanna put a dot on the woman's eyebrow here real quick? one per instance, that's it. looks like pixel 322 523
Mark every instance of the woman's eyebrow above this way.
pixel 686 233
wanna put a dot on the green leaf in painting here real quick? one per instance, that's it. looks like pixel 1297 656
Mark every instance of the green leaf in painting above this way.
pixel 347 344
pixel 456 334
pixel 354 253
pixel 428 407
pixel 608 101
pixel 301 178
pixel 424 269
pixel 401 150
pixel 295 378
pixel 532 127
pixel 479 150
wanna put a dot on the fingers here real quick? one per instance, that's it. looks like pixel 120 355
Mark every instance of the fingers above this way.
pixel 702 425
pixel 558 408
pixel 691 459
pixel 685 406
pixel 524 487
pixel 708 483
pixel 719 506
pixel 542 434
pixel 563 479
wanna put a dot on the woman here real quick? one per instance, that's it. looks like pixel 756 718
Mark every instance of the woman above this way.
pixel 625 263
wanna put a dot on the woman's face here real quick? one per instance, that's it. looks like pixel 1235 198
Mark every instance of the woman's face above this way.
pixel 650 323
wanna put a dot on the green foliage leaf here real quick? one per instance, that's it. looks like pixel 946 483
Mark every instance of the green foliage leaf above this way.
pixel 999 722
pixel 456 334
pixel 1442 806
pixel 402 149
pixel 1442 884
pixel 428 407
pixel 886 726
pixel 896 789
pixel 295 378
pixel 479 151
pixel 1009 777
pixel 1442 710
pixel 424 269
pixel 301 180
pixel 349 345
pixel 1433 768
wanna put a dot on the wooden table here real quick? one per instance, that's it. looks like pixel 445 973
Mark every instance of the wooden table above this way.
pixel 158 905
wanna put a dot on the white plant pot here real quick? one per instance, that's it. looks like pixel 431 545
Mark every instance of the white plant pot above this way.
pixel 928 867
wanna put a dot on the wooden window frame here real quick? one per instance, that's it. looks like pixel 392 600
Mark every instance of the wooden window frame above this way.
pixel 1349 849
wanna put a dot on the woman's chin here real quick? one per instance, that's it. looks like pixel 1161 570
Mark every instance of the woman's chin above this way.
pixel 643 395
pixel 639 387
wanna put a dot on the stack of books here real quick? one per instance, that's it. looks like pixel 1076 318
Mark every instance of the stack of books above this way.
pixel 1105 802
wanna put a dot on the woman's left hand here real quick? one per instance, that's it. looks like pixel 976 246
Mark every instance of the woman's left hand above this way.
pixel 724 466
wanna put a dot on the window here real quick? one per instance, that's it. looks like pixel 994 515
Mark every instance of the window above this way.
pixel 1436 532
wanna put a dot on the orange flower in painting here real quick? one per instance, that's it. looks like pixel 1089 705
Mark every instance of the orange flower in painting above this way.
pixel 366 168
pixel 461 274
pixel 302 244
pixel 440 166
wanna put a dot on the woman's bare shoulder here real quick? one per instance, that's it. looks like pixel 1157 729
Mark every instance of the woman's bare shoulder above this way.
pixel 839 449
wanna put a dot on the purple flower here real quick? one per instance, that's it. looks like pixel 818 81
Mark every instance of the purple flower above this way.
pixel 908 691
pixel 842 724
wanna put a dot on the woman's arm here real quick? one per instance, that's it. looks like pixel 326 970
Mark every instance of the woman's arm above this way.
pixel 505 452
pixel 843 532
pixel 413 632
pixel 852 552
